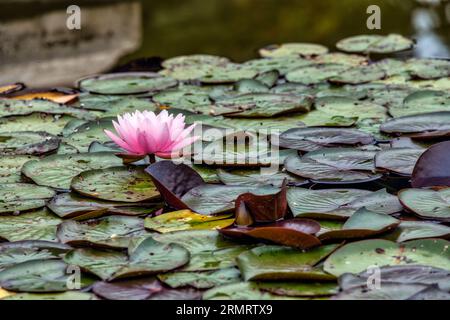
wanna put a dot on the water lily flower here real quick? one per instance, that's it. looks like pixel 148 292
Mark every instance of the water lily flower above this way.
pixel 145 133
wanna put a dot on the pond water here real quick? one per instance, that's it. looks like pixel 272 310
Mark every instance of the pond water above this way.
pixel 35 40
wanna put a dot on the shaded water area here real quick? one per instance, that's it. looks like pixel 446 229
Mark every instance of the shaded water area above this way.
pixel 36 47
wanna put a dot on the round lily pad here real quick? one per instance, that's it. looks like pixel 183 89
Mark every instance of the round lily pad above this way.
pixel 194 60
pixel 57 171
pixel 36 225
pixel 334 165
pixel 52 124
pixel 10 167
pixel 427 203
pixel 201 280
pixel 40 276
pixel 281 64
pixel 254 178
pixel 398 160
pixel 339 203
pixel 126 83
pixel 435 121
pixel 283 263
pixel 227 73
pixel 375 44
pixel 310 139
pixel 27 143
pixel 150 257
pixel 412 230
pixel 429 68
pixel 316 73
pixel 358 256
pixel 292 49
pixel 359 75
pixel 107 232
pixel 16 197
pixel 422 102
pixel 116 184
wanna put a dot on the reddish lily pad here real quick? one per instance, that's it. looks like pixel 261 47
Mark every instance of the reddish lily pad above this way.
pixel 432 168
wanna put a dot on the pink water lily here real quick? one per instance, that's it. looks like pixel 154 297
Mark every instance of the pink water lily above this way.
pixel 145 133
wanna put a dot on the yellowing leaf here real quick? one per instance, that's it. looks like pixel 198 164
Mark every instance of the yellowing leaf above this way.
pixel 187 220
pixel 4 293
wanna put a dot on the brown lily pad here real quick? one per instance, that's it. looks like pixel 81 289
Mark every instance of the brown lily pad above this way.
pixel 432 168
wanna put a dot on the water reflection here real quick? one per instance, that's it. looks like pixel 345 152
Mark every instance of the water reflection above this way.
pixel 35 46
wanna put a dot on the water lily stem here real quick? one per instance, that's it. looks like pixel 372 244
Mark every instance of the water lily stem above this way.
pixel 152 158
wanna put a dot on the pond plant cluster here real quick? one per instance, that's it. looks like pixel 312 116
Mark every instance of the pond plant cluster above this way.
pixel 363 184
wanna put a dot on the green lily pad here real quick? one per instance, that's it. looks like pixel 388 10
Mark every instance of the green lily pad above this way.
pixel 114 104
pixel 299 289
pixel 339 203
pixel 435 121
pixel 68 295
pixel 52 124
pixel 194 60
pixel 375 44
pixel 238 291
pixel 186 220
pixel 334 165
pixel 12 253
pixel 283 263
pixel 359 75
pixel 107 232
pixel 10 167
pixel 362 224
pixel 40 276
pixel 412 230
pixel 230 72
pixel 281 64
pixel 27 143
pixel 398 160
pixel 310 139
pixel 126 83
pixel 268 79
pixel 201 280
pixel 429 68
pixel 17 197
pixel 342 106
pixel 70 205
pixel 427 203
pixel 185 97
pixel 255 178
pixel 358 256
pixel 341 58
pixel 150 257
pixel 57 171
pixel 116 184
pixel 249 86
pixel 292 49
pixel 315 73
pixel 421 102
pixel 259 105
pixel 36 225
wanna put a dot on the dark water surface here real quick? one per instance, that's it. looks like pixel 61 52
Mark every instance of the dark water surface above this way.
pixel 34 39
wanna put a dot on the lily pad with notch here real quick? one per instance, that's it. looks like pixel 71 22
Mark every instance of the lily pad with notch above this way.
pixel 375 44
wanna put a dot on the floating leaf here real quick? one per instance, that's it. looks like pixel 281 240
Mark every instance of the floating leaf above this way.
pixel 252 177
pixel 292 49
pixel 126 83
pixel 10 167
pixel 27 143
pixel 436 121
pixel 283 263
pixel 431 169
pixel 116 184
pixel 6 89
pixel 186 220
pixel 238 291
pixel 429 68
pixel 316 73
pixel 359 75
pixel 16 197
pixel 358 256
pixel 375 44
pixel 201 280
pixel 299 289
pixel 108 232
pixel 412 230
pixel 68 295
pixel 398 160
pixel 57 171
pixel 52 124
pixel 427 203
pixel 422 102
pixel 149 257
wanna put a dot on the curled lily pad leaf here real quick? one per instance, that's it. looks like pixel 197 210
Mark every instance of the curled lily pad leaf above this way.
pixel 334 165
pixel 283 263
pixel 362 224
pixel 57 171
pixel 435 121
pixel 40 276
pixel 265 104
pixel 431 169
pixel 27 143
pixel 70 205
pixel 116 184
pixel 310 139
pixel 339 203
pixel 250 86
pixel 315 73
pixel 249 177
pixel 10 167
pixel 427 203
pixel 52 124
pixel 36 225
pixel 149 257
pixel 299 289
pixel 9 107
pixel 201 280
pixel 12 253
pixel 358 256
pixel 268 78
pixel 375 44
pixel 411 230
pixel 174 181
pixel 108 232
pixel 6 89
pixel 186 220
pixel 292 49
pixel 126 83
pixel 398 160
pixel 17 197
pixel 296 233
